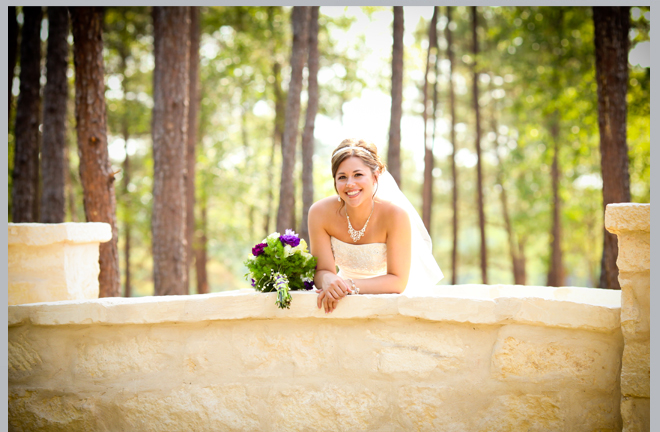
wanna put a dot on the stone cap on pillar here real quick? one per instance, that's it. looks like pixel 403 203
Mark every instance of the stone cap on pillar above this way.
pixel 53 262
pixel 624 217
pixel 37 234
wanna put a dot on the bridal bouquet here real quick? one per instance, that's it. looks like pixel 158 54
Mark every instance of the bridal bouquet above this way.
pixel 281 263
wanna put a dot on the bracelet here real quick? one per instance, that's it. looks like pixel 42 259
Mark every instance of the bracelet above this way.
pixel 355 289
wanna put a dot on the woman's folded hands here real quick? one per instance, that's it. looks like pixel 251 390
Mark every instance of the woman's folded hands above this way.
pixel 334 290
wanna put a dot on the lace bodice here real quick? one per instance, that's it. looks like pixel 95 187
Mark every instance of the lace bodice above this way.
pixel 359 261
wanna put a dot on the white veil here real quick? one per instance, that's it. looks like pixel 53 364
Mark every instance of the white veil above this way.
pixel 424 270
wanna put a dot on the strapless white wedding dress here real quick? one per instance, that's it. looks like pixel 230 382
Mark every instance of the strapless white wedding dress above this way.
pixel 359 261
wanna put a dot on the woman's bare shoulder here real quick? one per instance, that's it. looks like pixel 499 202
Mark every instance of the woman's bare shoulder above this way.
pixel 394 214
pixel 324 207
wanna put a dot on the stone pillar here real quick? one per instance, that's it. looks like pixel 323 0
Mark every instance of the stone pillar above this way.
pixel 631 224
pixel 51 262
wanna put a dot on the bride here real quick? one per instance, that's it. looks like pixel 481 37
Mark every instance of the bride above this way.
pixel 370 231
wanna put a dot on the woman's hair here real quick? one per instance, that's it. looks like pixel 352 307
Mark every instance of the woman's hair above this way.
pixel 369 155
pixel 367 152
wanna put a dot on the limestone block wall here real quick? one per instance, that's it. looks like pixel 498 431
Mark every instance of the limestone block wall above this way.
pixel 461 358
pixel 631 224
pixel 50 262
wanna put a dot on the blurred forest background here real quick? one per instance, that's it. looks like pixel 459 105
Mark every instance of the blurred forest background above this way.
pixel 532 72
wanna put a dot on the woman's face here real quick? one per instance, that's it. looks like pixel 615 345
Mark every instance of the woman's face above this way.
pixel 354 181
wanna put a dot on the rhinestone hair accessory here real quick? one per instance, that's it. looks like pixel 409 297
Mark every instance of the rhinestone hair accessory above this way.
pixel 341 150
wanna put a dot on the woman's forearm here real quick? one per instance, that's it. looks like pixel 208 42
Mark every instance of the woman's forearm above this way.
pixel 320 278
pixel 386 284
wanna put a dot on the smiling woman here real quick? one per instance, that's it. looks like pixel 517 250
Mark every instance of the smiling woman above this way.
pixel 368 231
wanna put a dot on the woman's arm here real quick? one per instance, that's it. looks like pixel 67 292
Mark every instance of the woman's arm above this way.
pixel 334 288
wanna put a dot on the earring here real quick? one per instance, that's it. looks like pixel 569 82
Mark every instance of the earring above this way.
pixel 338 198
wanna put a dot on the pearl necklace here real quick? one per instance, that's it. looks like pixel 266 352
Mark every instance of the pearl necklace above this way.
pixel 357 235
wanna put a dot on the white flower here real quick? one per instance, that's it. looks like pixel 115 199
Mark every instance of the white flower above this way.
pixel 288 251
pixel 301 246
pixel 272 236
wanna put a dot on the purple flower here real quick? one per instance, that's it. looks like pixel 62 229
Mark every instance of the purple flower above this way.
pixel 290 238
pixel 308 285
pixel 253 281
pixel 259 249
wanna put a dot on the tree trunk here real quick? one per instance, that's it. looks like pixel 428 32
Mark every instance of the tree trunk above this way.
pixel 521 277
pixel 278 129
pixel 285 213
pixel 452 133
pixel 13 48
pixel 191 157
pixel 516 252
pixel 56 94
pixel 25 181
pixel 518 269
pixel 124 50
pixel 312 108
pixel 475 102
pixel 169 135
pixel 278 132
pixel 200 253
pixel 68 186
pixel 611 28
pixel 95 171
pixel 126 179
pixel 427 188
pixel 394 147
pixel 556 271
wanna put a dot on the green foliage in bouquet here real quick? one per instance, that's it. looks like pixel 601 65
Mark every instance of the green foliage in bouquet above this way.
pixel 281 263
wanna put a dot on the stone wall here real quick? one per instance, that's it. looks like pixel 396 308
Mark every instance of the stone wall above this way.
pixel 631 224
pixel 462 358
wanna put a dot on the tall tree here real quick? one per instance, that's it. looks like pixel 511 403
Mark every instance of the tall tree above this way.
pixel 299 22
pixel 516 248
pixel 13 48
pixel 169 132
pixel 611 28
pixel 124 50
pixel 475 104
pixel 452 134
pixel 193 108
pixel 56 95
pixel 556 270
pixel 95 171
pixel 25 181
pixel 427 188
pixel 312 108
pixel 280 108
pixel 126 39
pixel 278 132
pixel 394 146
